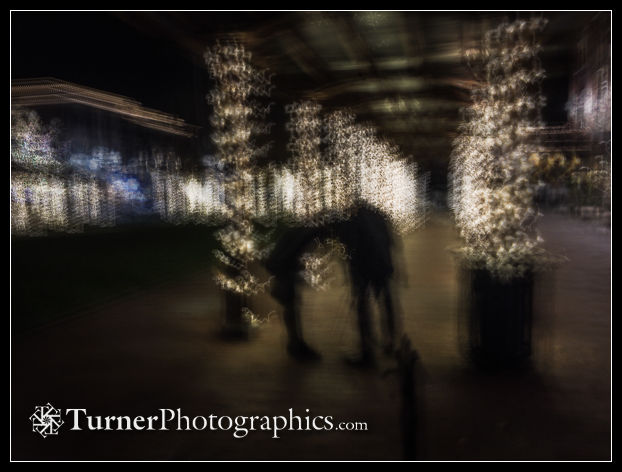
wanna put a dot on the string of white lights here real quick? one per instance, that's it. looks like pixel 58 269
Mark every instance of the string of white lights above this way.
pixel 491 173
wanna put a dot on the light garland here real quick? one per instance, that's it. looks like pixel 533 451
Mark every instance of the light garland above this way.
pixel 491 173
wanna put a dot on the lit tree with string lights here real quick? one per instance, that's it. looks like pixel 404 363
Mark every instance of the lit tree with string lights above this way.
pixel 34 146
pixel 340 155
pixel 238 120
pixel 305 128
pixel 492 185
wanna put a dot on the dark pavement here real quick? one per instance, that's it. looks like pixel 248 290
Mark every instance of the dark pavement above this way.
pixel 159 349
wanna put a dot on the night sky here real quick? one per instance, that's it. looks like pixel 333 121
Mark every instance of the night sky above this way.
pixel 102 51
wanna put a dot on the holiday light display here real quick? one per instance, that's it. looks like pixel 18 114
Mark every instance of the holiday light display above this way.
pixel 305 127
pixel 492 185
pixel 364 168
pixel 99 188
pixel 43 196
pixel 237 120
pixel 32 143
pixel 38 204
pixel 180 198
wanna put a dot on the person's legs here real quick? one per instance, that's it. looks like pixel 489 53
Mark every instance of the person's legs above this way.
pixel 388 317
pixel 291 317
pixel 364 322
pixel 296 346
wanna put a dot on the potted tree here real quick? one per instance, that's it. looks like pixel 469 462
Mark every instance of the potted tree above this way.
pixel 492 191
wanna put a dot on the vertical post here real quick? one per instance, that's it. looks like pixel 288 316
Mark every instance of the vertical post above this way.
pixel 406 361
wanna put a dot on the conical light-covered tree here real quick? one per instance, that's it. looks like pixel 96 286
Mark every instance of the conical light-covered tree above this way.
pixel 340 154
pixel 305 128
pixel 238 120
pixel 492 185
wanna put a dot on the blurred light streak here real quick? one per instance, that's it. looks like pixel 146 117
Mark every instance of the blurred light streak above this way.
pixel 50 91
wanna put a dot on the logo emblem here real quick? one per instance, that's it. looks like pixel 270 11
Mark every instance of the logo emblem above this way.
pixel 46 420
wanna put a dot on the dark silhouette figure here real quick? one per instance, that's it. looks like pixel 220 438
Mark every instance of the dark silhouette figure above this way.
pixel 367 236
pixel 368 241
pixel 285 265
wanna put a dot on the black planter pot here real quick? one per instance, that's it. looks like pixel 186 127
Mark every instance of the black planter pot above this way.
pixel 499 318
